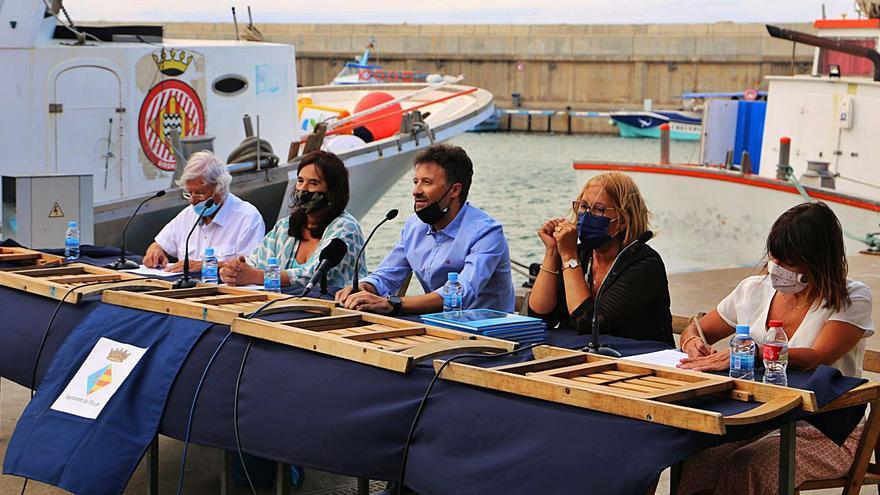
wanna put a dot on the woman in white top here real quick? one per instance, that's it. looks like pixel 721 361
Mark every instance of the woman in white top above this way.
pixel 827 318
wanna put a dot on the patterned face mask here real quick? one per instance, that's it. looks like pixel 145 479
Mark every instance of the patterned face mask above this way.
pixel 309 201
pixel 784 280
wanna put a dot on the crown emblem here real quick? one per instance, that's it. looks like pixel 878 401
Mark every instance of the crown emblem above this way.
pixel 172 62
pixel 118 355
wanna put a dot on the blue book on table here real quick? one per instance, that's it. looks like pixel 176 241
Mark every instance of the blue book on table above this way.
pixel 486 321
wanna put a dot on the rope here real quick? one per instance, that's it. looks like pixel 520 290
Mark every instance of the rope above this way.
pixel 870 240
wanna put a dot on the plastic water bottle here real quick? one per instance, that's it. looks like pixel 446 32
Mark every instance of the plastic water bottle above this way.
pixel 272 276
pixel 775 354
pixel 209 267
pixel 742 354
pixel 452 293
pixel 71 241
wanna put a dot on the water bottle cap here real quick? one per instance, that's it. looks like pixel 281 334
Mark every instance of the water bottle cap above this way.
pixel 71 223
pixel 273 261
pixel 742 329
pixel 209 251
pixel 775 323
pixel 452 276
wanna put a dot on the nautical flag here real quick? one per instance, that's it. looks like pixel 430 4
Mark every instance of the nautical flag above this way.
pixel 100 402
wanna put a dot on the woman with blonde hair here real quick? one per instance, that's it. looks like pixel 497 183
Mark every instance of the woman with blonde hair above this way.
pixel 608 216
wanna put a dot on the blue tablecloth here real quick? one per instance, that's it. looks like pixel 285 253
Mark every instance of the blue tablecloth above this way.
pixel 335 415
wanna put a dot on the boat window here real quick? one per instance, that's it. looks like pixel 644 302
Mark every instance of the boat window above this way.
pixel 230 85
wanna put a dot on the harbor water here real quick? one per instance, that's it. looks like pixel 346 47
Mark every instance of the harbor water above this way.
pixel 524 179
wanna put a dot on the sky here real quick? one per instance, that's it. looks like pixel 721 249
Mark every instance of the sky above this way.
pixel 462 11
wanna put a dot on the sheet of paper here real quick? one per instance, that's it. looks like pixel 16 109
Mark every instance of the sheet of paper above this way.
pixel 151 272
pixel 669 357
pixel 251 287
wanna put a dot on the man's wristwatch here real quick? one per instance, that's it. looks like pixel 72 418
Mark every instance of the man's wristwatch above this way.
pixel 396 304
pixel 572 263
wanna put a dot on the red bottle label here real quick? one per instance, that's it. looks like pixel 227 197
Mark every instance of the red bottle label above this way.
pixel 771 352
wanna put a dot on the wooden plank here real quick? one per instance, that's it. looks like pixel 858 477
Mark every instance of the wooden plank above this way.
pixel 218 300
pixel 48 272
pixel 537 365
pixel 579 369
pixel 185 293
pixel 767 410
pixel 665 381
pixel 33 266
pixel 176 307
pixel 386 334
pixel 764 392
pixel 865 392
pixel 872 361
pixel 693 390
pixel 632 386
pixel 585 396
pixel 324 323
pixel 86 278
pixel 653 385
pixel 296 305
pixel 324 344
pixel 39 287
pixel 428 351
pixel 20 256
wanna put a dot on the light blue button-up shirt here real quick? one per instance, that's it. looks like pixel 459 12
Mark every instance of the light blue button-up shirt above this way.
pixel 473 245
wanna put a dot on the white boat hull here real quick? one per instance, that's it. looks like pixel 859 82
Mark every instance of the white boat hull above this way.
pixel 711 218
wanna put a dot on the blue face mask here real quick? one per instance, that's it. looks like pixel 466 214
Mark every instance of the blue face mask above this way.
pixel 200 207
pixel 593 230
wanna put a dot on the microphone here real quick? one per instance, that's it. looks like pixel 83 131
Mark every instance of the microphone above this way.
pixel 330 256
pixel 594 346
pixel 392 213
pixel 185 282
pixel 122 263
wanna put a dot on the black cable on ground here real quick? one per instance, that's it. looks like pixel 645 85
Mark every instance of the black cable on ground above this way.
pixel 235 404
pixel 421 407
pixel 235 416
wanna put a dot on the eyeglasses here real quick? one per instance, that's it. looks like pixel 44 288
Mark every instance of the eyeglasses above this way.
pixel 581 207
pixel 198 194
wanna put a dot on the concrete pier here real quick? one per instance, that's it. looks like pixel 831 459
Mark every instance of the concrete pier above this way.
pixel 587 67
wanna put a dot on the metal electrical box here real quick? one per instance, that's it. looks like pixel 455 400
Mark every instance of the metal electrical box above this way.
pixel 37 208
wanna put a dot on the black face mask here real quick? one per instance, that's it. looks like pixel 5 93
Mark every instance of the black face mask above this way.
pixel 432 213
pixel 310 201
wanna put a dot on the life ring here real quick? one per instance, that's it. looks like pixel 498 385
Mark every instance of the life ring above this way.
pixel 750 94
pixel 365 74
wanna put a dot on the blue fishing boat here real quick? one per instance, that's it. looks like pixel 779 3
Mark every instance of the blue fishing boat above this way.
pixel 683 126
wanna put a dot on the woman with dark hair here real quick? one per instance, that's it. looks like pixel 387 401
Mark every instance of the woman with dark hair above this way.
pixel 317 216
pixel 827 317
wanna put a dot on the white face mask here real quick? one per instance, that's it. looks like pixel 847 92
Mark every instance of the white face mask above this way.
pixel 784 280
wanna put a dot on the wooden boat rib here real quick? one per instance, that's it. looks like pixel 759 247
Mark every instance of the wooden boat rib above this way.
pixel 630 389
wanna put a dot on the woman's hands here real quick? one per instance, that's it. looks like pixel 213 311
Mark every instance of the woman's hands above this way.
pixel 546 233
pixel 716 361
pixel 694 346
pixel 565 234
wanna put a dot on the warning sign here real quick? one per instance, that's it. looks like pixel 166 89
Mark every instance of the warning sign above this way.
pixel 56 212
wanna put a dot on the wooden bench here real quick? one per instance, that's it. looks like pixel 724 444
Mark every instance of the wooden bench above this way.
pixel 863 471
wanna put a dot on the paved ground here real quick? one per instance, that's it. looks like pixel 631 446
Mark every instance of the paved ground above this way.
pixel 691 292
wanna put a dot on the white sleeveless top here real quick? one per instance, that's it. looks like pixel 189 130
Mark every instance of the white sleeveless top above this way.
pixel 749 304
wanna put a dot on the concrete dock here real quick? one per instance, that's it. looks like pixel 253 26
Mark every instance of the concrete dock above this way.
pixel 690 292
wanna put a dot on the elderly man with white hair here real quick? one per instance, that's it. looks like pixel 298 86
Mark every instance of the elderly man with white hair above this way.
pixel 231 227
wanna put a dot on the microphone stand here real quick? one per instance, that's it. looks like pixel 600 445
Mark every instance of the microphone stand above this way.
pixel 388 216
pixel 594 346
pixel 185 282
pixel 122 263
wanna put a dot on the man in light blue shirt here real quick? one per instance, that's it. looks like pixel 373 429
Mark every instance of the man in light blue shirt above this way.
pixel 446 234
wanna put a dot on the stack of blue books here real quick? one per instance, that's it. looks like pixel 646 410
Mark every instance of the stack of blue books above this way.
pixel 491 323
